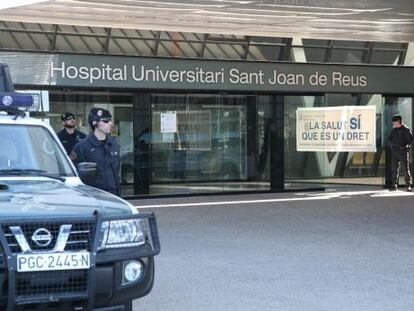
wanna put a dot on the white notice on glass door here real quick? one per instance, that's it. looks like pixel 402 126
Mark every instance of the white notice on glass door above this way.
pixel 168 122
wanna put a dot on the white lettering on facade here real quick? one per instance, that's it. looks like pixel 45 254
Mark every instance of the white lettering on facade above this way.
pixel 92 74
pixel 280 78
pixel 340 79
pixel 196 75
pixel 200 75
pixel 243 77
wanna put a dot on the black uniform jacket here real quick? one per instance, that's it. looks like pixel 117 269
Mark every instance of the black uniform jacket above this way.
pixel 400 139
pixel 106 155
pixel 70 140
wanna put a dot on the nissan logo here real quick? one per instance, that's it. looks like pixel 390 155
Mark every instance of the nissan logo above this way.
pixel 42 237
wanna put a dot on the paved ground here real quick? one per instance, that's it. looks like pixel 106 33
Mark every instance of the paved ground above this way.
pixel 305 251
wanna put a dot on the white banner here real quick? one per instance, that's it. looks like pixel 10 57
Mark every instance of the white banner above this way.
pixel 346 128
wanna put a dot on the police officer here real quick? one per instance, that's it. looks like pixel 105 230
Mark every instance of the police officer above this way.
pixel 400 141
pixel 101 148
pixel 69 136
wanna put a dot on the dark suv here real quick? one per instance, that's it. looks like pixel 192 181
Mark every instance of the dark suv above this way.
pixel 64 245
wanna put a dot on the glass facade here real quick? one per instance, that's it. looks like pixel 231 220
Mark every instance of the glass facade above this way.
pixel 367 168
pixel 207 140
pixel 80 103
pixel 207 143
pixel 185 142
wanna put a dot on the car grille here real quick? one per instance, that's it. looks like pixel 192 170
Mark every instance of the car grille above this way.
pixel 80 237
pixel 51 285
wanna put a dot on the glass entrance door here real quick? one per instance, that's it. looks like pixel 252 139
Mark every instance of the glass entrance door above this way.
pixel 362 168
pixel 123 128
pixel 321 168
pixel 392 106
pixel 199 143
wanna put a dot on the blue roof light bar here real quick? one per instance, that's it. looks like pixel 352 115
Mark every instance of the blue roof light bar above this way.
pixel 15 100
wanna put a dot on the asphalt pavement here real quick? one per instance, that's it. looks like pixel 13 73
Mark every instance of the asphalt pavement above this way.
pixel 329 250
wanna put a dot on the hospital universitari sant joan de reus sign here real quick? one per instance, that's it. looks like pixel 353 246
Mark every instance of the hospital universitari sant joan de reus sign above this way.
pixel 163 73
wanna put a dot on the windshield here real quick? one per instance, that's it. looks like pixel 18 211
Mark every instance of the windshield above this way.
pixel 31 150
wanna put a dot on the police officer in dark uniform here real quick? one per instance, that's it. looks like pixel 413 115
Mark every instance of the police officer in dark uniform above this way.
pixel 400 141
pixel 101 148
pixel 69 136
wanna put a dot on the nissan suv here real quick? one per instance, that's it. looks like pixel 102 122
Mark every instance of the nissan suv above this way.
pixel 64 245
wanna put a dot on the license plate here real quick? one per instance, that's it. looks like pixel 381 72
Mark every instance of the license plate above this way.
pixel 53 262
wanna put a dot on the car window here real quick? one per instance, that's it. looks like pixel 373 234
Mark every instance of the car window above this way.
pixel 31 147
pixel 8 153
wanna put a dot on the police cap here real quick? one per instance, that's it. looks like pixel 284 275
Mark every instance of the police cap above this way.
pixel 66 115
pixel 96 114
pixel 396 118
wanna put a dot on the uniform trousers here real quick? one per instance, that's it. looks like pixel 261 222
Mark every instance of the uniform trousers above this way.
pixel 400 159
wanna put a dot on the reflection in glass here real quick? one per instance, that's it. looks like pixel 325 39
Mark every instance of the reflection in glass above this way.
pixel 366 168
pixel 205 147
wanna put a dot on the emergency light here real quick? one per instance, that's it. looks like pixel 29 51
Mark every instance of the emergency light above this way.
pixel 10 99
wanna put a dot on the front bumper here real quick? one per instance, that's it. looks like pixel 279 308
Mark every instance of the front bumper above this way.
pixel 109 294
pixel 98 288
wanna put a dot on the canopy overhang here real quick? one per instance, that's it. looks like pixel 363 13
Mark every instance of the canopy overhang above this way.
pixel 369 20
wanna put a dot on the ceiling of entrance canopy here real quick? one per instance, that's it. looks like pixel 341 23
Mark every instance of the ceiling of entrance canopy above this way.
pixel 366 20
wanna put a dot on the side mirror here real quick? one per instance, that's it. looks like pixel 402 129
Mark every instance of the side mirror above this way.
pixel 88 171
